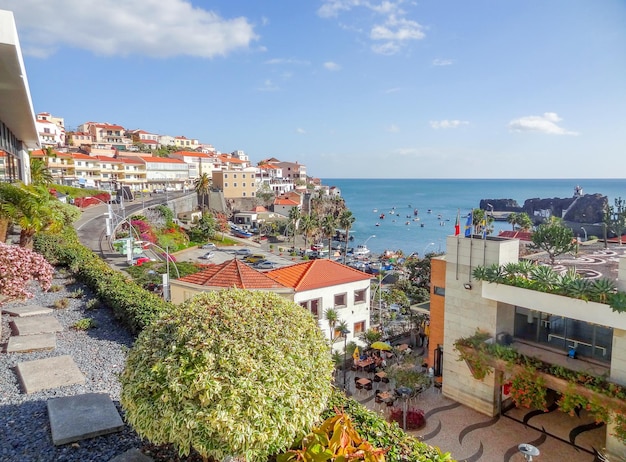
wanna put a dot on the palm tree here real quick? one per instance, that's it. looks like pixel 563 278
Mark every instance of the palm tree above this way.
pixel 332 316
pixel 328 229
pixel 39 172
pixel 512 219
pixel 202 187
pixel 346 220
pixel 307 224
pixel 294 217
pixel 30 209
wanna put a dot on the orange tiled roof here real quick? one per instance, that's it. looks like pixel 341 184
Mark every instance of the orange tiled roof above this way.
pixel 112 160
pixel 521 235
pixel 232 273
pixel 192 154
pixel 284 201
pixel 316 274
pixel 163 159
pixel 41 153
pixel 76 155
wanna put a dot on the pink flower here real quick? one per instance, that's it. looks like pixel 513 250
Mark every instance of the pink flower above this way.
pixel 18 266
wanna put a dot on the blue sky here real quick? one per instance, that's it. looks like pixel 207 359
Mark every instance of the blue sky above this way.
pixel 351 88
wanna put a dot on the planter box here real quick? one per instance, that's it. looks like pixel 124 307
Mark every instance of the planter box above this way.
pixel 555 383
pixel 558 305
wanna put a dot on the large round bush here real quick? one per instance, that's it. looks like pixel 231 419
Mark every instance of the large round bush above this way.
pixel 228 373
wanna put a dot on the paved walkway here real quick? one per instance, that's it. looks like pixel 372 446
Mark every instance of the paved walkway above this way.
pixel 473 437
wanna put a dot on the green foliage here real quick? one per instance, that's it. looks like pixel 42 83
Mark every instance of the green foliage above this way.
pixel 554 239
pixel 84 324
pixel 228 373
pixel 544 279
pixel 131 304
pixel 92 304
pixel 615 218
pixel 61 303
pixel 334 440
pixel 78 293
pixel 381 434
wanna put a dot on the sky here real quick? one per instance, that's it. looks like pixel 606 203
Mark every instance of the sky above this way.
pixel 350 88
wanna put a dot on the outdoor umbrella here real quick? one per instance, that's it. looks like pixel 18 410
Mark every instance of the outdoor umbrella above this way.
pixel 381 346
pixel 355 355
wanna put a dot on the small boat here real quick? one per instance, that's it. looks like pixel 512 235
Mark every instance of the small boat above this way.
pixel 416 219
pixel 377 224
pixel 429 211
pixel 415 212
pixel 382 216
pixel 361 250
pixel 421 225
pixel 408 223
pixel 375 210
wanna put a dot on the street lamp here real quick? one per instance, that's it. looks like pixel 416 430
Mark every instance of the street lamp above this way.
pixel 344 331
pixel 404 392
pixel 427 245
pixel 373 235
pixel 584 231
pixel 380 300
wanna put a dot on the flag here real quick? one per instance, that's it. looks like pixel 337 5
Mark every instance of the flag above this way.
pixel 468 225
pixel 484 225
pixel 355 355
pixel 457 224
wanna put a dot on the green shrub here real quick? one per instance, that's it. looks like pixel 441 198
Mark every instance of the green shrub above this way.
pixel 78 293
pixel 228 373
pixel 55 288
pixel 84 324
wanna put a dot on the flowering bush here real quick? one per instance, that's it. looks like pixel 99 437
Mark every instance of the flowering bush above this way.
pixel 18 266
pixel 529 390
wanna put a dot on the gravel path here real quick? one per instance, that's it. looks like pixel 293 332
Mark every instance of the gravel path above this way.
pixel 100 355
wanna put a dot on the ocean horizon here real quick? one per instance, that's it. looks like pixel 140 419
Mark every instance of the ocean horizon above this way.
pixel 426 232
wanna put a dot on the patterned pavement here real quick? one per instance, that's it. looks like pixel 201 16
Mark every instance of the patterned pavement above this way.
pixel 473 437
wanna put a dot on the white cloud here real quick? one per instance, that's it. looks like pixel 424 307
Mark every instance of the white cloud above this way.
pixel 136 27
pixel 331 66
pixel 546 123
pixel 288 61
pixel 392 90
pixel 442 62
pixel 300 131
pixel 389 36
pixel 436 124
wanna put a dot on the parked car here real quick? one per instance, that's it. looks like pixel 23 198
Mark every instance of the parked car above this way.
pixel 254 258
pixel 265 264
pixel 158 191
pixel 139 260
pixel 245 252
pixel 209 246
pixel 207 256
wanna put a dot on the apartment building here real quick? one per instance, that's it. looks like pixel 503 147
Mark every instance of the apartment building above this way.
pixel 236 183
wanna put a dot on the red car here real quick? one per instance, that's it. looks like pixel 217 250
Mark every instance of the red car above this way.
pixel 138 261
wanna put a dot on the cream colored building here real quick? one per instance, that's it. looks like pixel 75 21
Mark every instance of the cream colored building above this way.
pixel 538 319
pixel 235 183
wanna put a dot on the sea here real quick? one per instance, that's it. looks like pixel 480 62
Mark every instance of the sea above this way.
pixel 420 213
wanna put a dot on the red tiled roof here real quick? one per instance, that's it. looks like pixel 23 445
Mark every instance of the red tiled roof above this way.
pixel 41 153
pixel 521 235
pixel 232 273
pixel 283 201
pixel 163 159
pixel 112 160
pixel 316 274
pixel 192 154
pixel 77 155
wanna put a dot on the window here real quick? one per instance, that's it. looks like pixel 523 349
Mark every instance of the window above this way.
pixel 243 194
pixel 243 185
pixel 340 300
pixel 359 327
pixel 225 175
pixel 440 291
pixel 359 296
pixel 226 185
pixel 313 306
pixel 234 185
pixel 234 175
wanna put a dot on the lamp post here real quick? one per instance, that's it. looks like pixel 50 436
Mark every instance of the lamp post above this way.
pixel 373 235
pixel 404 392
pixel 584 231
pixel 380 300
pixel 427 245
pixel 166 276
pixel 345 332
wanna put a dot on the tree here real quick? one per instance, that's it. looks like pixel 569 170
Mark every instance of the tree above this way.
pixel 39 172
pixel 346 220
pixel 512 219
pixel 18 266
pixel 202 187
pixel 554 238
pixel 524 222
pixel 294 217
pixel 228 373
pixel 329 223
pixel 308 223
pixel 332 317
pixel 482 222
pixel 615 218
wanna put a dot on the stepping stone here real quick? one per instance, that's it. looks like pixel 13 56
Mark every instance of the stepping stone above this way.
pixel 36 325
pixel 24 343
pixel 76 418
pixel 43 374
pixel 27 310
pixel 132 455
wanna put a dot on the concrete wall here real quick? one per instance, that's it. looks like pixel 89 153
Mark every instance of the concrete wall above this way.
pixel 466 310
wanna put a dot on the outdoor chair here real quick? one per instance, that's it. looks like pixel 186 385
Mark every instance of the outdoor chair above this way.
pixel 376 378
pixel 356 378
pixel 358 386
pixel 390 402
pixel 368 386
pixel 385 380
